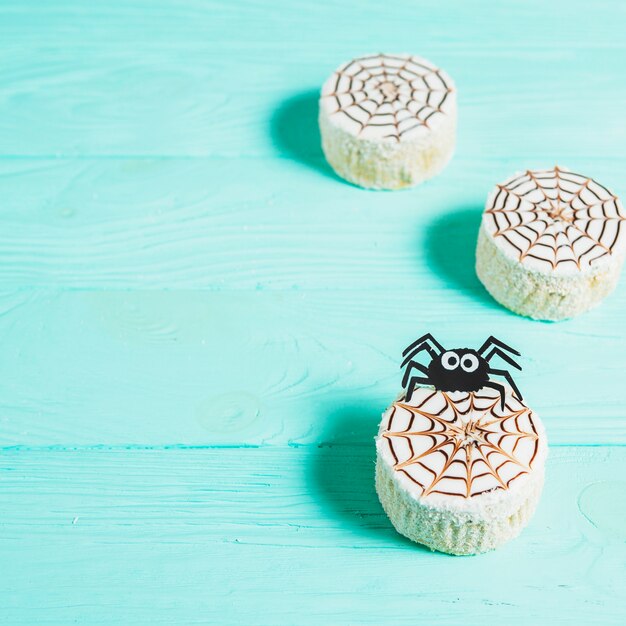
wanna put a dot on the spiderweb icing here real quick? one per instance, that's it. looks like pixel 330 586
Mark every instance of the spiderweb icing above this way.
pixel 392 97
pixel 555 220
pixel 460 444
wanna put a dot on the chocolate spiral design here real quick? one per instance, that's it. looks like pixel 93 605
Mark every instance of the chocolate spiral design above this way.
pixel 461 444
pixel 555 220
pixel 393 97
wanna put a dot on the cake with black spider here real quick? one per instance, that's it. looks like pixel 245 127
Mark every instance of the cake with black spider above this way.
pixel 460 457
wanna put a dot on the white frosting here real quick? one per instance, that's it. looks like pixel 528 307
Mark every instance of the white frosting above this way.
pixel 386 97
pixel 448 448
pixel 556 221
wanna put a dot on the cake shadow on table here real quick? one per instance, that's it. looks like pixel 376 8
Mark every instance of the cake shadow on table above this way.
pixel 294 129
pixel 341 474
pixel 456 263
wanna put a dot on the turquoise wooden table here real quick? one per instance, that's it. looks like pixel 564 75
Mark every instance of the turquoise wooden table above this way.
pixel 201 324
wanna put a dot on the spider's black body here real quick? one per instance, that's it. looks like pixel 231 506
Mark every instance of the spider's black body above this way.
pixel 456 380
pixel 461 369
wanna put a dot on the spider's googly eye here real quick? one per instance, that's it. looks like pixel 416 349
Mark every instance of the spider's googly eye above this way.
pixel 469 362
pixel 450 360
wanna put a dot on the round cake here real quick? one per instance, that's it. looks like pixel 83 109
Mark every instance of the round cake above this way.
pixel 551 244
pixel 460 472
pixel 388 121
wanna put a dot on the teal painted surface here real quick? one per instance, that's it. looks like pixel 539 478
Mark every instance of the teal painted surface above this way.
pixel 279 535
pixel 201 324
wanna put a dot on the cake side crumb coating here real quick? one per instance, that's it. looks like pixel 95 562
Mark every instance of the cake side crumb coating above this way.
pixel 387 165
pixel 540 295
pixel 454 532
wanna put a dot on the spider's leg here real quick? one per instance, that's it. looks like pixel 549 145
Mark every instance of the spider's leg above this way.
pixel 410 367
pixel 500 388
pixel 413 383
pixel 496 342
pixel 423 339
pixel 413 353
pixel 509 379
pixel 504 356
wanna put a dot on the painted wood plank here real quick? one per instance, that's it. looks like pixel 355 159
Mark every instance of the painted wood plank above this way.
pixel 185 78
pixel 229 368
pixel 283 536
pixel 196 224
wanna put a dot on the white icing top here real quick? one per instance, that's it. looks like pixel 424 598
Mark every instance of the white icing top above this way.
pixel 555 221
pixel 458 445
pixel 388 97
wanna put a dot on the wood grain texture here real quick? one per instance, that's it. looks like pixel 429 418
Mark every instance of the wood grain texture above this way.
pixel 282 536
pixel 201 323
pixel 198 78
pixel 194 224
pixel 270 367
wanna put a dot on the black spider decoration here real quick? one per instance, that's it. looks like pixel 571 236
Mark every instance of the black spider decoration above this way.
pixel 461 369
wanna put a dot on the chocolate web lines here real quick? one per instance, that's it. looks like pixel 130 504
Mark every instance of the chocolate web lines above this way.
pixel 389 97
pixel 556 219
pixel 461 444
